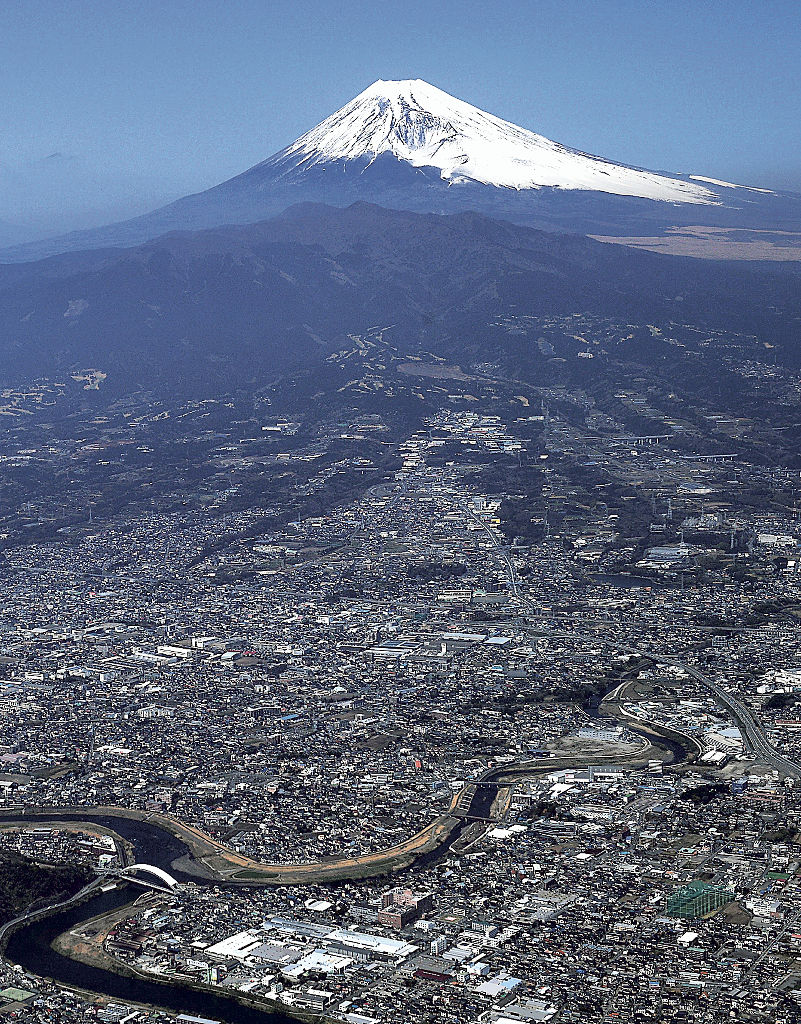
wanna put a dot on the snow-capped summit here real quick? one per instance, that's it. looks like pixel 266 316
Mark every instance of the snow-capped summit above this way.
pixel 426 127
pixel 410 146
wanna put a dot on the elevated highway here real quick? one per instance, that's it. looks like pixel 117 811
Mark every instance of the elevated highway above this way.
pixel 752 731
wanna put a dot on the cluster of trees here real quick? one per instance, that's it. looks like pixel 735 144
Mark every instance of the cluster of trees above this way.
pixel 517 520
pixel 779 701
pixel 548 809
pixel 428 571
pixel 702 795
pixel 24 882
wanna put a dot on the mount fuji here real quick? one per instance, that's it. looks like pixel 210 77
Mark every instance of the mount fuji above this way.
pixel 408 145
pixel 424 127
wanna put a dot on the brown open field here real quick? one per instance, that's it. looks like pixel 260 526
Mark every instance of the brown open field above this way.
pixel 711 243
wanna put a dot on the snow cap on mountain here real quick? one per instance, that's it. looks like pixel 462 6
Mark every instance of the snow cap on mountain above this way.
pixel 426 127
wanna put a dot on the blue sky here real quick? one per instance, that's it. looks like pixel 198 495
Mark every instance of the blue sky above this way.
pixel 144 100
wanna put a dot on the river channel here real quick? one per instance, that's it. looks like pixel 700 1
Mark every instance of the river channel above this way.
pixel 151 844
pixel 31 948
pixel 31 945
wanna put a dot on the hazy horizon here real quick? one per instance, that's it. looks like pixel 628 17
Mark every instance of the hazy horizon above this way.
pixel 132 106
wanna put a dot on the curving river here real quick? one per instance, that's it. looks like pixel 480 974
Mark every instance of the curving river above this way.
pixel 151 843
pixel 30 945
pixel 31 948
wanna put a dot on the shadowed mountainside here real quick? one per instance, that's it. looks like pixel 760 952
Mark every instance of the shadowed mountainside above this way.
pixel 281 294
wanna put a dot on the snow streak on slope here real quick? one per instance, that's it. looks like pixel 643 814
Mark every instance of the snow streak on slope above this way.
pixel 426 127
pixel 730 184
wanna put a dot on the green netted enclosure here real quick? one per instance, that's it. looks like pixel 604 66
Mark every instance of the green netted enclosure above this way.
pixel 697 900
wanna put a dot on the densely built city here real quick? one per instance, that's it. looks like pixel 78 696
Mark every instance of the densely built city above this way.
pixel 465 745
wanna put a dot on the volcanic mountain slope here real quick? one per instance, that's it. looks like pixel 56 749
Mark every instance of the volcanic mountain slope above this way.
pixel 408 145
pixel 254 301
pixel 425 127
